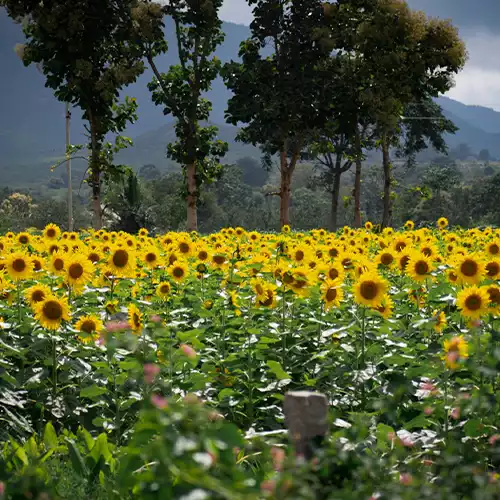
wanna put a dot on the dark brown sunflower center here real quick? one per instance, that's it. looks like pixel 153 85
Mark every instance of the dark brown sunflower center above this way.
pixel 333 252
pixel 150 257
pixel 331 294
pixel 52 310
pixel 299 255
pixel 88 326
pixel 19 265
pixel 178 272
pixel 368 290
pixel 202 255
pixel 53 248
pixel 421 267
pixel 23 239
pixel 427 251
pixel 300 282
pixel 219 259
pixel 333 273
pixel 120 258
pixel 58 264
pixel 38 296
pixel 75 270
pixel 184 247
pixel 400 245
pixel 165 288
pixel 93 257
pixel 387 259
pixel 473 302
pixel 137 320
pixel 494 294
pixel 37 265
pixel 492 269
pixel 51 233
pixel 494 249
pixel 469 268
pixel 403 262
pixel 269 301
pixel 259 289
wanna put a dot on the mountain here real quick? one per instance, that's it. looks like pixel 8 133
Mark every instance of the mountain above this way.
pixel 32 134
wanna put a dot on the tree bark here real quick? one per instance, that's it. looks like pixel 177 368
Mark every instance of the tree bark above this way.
pixel 287 168
pixel 95 175
pixel 386 163
pixel 192 198
pixel 336 193
pixel 357 182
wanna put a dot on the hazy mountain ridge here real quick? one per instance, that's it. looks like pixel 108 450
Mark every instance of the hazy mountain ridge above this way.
pixel 32 120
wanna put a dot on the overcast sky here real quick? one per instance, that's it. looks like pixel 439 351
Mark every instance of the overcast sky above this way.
pixel 479 83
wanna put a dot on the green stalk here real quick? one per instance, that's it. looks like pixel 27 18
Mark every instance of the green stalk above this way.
pixel 54 369
pixel 250 380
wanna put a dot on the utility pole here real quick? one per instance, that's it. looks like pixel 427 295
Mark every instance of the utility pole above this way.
pixel 68 168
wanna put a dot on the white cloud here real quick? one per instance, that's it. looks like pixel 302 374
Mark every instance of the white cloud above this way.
pixel 479 82
pixel 236 11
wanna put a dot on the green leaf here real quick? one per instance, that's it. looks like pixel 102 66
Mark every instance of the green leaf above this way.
pixel 50 436
pixel 383 439
pixel 276 368
pixel 76 459
pixel 101 449
pixel 92 392
pixel 474 428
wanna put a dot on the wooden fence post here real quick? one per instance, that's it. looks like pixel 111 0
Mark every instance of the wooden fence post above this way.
pixel 306 416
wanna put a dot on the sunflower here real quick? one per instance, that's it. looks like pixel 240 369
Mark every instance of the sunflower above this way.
pixel 370 289
pixel 234 302
pixel 37 293
pixel 451 276
pixel 470 269
pixel 202 252
pixel 19 266
pixel 143 232
pixel 185 247
pixel 152 258
pixel 24 238
pixel 492 268
pixel 135 319
pixel 52 311
pixel 179 270
pixel 219 260
pixel 368 225
pixel 494 295
pixel 402 259
pixel 268 298
pixel 456 350
pixel 442 222
pixel 386 307
pixel 385 258
pixel 285 228
pixel 419 267
pixel 409 225
pixel 163 290
pixel 38 263
pixel 493 248
pixel 89 328
pixel 302 277
pixel 58 263
pixel 300 254
pixel 473 302
pixel 111 307
pixel 332 294
pixel 78 270
pixel 51 232
pixel 440 321
pixel 121 262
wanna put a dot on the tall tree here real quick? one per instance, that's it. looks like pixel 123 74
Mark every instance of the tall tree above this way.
pixel 413 61
pixel 84 49
pixel 180 92
pixel 282 98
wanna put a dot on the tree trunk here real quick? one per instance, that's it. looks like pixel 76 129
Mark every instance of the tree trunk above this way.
pixel 95 176
pixel 386 162
pixel 335 193
pixel 287 169
pixel 192 198
pixel 357 182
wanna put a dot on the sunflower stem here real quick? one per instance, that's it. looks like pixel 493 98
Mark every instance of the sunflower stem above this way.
pixel 445 395
pixel 363 337
pixel 19 309
pixel 54 369
pixel 250 380
pixel 283 332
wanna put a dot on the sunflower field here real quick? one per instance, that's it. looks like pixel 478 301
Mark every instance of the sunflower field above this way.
pixel 139 366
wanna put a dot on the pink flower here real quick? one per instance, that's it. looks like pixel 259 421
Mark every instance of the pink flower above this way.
pixel 493 439
pixel 407 442
pixel 159 401
pixel 475 323
pixel 428 410
pixel 150 372
pixel 156 318
pixel 2 488
pixel 278 456
pixel 268 486
pixel 116 326
pixel 188 351
pixel 406 478
pixel 455 413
